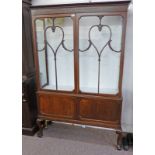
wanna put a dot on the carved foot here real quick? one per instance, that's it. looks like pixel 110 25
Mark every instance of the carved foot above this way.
pixel 41 125
pixel 119 140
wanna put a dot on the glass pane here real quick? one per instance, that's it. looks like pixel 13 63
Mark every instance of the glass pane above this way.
pixel 99 53
pixel 58 34
pixel 41 52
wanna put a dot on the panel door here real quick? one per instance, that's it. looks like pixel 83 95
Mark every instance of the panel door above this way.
pixel 57 106
pixel 103 110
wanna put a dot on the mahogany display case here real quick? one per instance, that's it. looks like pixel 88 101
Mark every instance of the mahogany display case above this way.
pixel 79 56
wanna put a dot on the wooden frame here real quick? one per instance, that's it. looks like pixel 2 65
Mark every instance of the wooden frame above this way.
pixel 72 16
pixel 77 105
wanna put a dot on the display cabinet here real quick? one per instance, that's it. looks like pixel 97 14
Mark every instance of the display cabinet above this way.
pixel 79 54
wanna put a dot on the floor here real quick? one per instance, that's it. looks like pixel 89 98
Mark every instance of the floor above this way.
pixel 60 139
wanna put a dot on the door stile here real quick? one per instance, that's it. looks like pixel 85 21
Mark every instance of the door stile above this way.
pixel 76 53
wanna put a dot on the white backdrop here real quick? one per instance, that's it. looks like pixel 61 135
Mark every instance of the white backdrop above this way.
pixel 127 109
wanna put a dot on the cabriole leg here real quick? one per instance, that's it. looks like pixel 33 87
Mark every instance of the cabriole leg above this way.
pixel 119 140
pixel 41 125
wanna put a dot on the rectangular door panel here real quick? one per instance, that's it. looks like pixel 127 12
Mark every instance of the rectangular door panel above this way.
pixel 100 110
pixel 57 105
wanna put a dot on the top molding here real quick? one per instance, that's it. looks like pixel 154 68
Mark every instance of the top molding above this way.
pixel 91 2
pixel 119 6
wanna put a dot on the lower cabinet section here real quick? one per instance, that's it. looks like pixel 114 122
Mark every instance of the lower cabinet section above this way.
pixel 92 110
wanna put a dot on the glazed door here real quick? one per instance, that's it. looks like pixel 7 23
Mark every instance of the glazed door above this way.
pixel 100 46
pixel 55 52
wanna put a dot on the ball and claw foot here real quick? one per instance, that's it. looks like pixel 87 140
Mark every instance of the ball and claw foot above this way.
pixel 119 147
